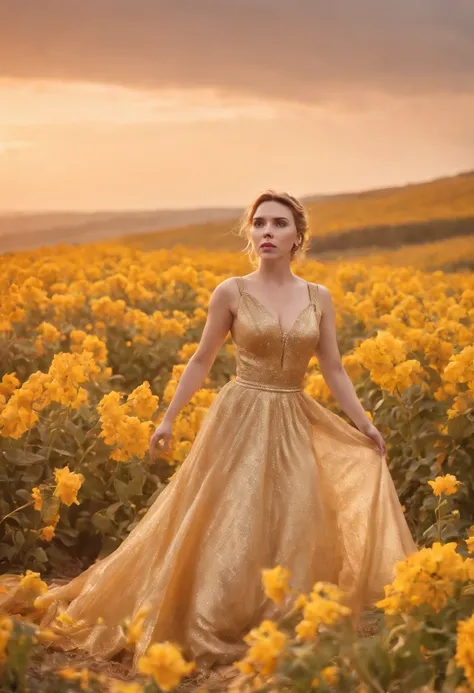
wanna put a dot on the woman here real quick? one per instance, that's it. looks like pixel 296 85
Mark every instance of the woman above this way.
pixel 273 477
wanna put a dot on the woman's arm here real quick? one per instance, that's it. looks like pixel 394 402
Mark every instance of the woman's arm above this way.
pixel 330 364
pixel 218 323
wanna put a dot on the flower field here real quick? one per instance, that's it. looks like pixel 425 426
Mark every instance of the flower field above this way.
pixel 93 341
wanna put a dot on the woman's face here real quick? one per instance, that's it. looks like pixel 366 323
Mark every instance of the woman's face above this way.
pixel 273 230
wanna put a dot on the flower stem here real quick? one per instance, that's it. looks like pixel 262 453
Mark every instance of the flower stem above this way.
pixel 16 510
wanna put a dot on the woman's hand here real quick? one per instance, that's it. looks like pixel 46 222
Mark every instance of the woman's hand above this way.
pixel 161 437
pixel 376 436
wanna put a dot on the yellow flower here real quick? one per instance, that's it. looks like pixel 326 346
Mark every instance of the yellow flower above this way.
pixel 70 674
pixel 429 576
pixel 134 628
pixel 462 404
pixel 46 635
pixel 48 333
pixel 187 350
pixel 32 581
pixel 68 484
pixel 164 662
pixel 275 582
pixel 37 497
pixel 67 373
pixel 301 601
pixel 141 402
pixel 9 383
pixel 460 368
pixel 65 619
pixel 130 435
pixel 306 630
pixel 122 687
pixel 19 414
pixel 77 336
pixel 381 353
pixel 329 590
pixel 470 544
pixel 331 675
pixel 400 377
pixel 465 648
pixel 324 611
pixel 447 485
pixel 265 646
pixel 47 533
pixel 350 362
pixel 93 344
pixel 133 438
pixel 317 387
pixel 322 607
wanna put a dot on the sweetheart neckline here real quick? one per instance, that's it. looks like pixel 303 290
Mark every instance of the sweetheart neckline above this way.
pixel 274 317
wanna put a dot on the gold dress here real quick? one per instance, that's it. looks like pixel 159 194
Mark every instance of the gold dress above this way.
pixel 273 478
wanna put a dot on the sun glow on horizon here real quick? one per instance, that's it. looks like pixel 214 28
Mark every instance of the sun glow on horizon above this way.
pixel 89 146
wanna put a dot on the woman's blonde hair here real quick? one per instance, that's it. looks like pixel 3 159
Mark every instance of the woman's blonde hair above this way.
pixel 299 215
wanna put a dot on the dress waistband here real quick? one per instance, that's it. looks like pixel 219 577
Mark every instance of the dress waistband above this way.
pixel 263 386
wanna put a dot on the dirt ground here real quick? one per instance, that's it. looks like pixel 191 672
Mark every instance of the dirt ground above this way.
pixel 217 681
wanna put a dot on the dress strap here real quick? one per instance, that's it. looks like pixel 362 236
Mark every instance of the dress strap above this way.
pixel 314 296
pixel 240 284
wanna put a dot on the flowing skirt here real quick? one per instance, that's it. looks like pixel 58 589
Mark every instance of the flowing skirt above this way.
pixel 272 478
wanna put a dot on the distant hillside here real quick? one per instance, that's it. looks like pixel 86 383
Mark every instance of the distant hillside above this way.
pixel 32 230
pixel 385 218
pixel 390 217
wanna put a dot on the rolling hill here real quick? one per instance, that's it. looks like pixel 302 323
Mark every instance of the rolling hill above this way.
pixel 385 218
pixel 344 223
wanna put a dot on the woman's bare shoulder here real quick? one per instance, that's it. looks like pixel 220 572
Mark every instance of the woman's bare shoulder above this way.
pixel 227 293
pixel 228 286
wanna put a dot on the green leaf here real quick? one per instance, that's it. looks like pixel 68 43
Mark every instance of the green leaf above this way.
pixel 102 523
pixel 21 458
pixel 23 495
pixel 18 539
pixel 112 509
pixel 7 551
pixel 135 487
pixel 460 427
pixel 122 490
pixel 75 431
pixel 94 487
pixel 69 453
pixel 93 432
pixel 33 475
pixel 40 555
pixel 429 530
pixel 67 541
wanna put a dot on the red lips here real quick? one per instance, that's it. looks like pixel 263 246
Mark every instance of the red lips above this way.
pixel 267 245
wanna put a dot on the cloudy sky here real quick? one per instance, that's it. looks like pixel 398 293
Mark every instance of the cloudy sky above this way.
pixel 114 104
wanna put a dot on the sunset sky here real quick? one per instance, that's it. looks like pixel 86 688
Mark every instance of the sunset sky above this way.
pixel 128 104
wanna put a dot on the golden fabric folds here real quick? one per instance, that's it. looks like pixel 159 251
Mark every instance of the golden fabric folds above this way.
pixel 273 478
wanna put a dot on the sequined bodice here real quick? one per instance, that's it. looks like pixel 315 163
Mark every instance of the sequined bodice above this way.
pixel 267 355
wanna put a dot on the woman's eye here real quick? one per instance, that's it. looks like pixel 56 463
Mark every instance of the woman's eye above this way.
pixel 281 222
